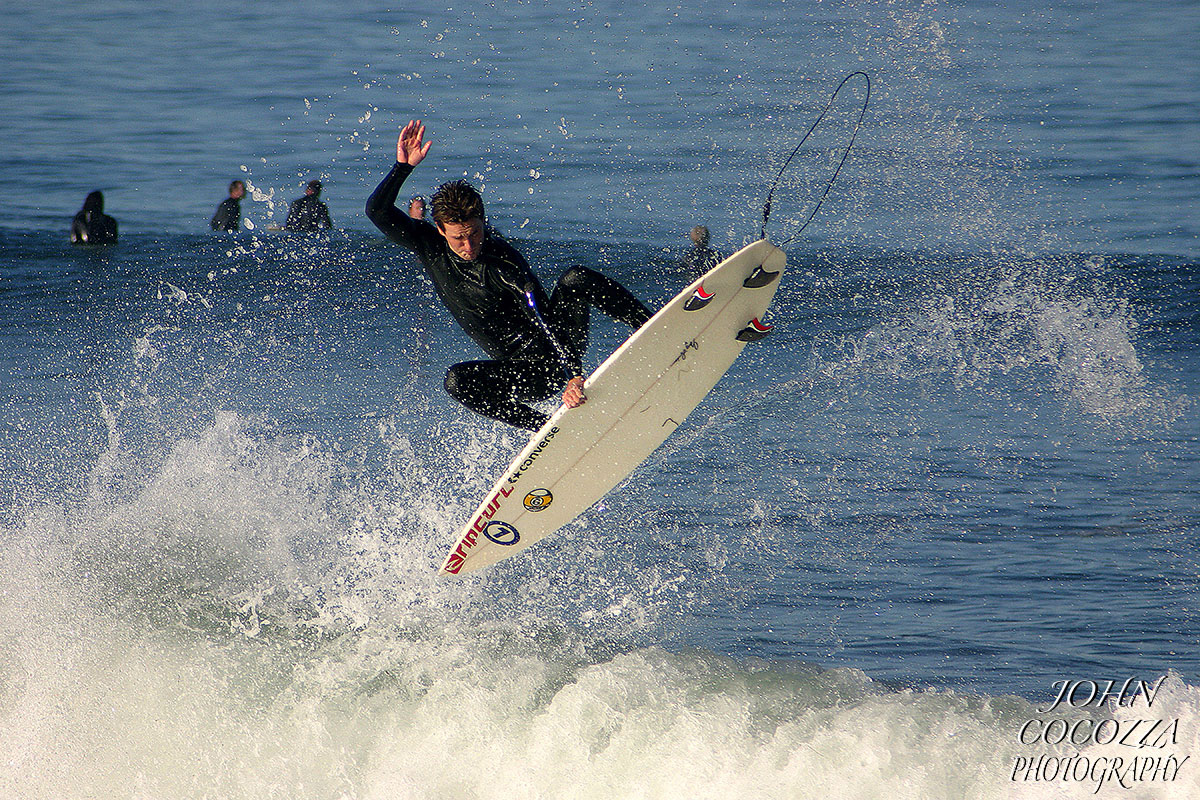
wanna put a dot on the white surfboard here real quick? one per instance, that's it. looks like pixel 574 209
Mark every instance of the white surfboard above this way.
pixel 635 399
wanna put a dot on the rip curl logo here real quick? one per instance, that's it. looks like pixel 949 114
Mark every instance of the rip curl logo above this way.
pixel 538 500
pixel 501 533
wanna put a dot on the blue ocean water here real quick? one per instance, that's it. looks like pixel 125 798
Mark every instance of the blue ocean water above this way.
pixel 960 473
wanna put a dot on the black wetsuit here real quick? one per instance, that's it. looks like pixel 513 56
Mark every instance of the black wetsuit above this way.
pixel 228 216
pixel 700 259
pixel 91 225
pixel 488 298
pixel 306 214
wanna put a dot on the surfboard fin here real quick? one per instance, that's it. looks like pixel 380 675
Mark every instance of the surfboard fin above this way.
pixel 759 278
pixel 698 300
pixel 754 331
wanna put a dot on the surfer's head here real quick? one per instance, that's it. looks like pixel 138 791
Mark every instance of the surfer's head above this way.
pixel 93 203
pixel 699 235
pixel 458 214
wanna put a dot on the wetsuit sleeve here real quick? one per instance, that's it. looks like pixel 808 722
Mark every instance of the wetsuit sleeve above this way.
pixel 395 224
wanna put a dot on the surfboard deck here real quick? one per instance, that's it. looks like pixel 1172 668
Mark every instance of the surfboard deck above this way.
pixel 635 399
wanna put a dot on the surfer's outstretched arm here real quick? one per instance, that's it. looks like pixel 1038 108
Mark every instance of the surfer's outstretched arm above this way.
pixel 411 149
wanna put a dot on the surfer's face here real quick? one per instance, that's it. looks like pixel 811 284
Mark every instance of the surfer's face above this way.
pixel 465 238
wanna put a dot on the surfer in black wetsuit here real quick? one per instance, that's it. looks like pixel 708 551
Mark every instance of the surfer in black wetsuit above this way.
pixel 91 225
pixel 308 213
pixel 700 258
pixel 535 342
pixel 416 207
pixel 229 213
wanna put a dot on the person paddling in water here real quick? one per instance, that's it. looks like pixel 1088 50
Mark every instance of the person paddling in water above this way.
pixel 535 342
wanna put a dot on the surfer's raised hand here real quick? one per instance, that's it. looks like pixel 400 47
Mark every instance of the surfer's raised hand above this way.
pixel 574 397
pixel 410 147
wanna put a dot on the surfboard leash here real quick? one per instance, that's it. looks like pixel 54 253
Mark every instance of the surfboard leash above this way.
pixel 845 154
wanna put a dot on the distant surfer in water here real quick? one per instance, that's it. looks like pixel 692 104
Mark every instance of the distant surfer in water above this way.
pixel 535 342
pixel 700 258
pixel 416 207
pixel 308 213
pixel 91 225
pixel 229 213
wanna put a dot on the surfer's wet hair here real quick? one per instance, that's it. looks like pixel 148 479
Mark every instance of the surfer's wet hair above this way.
pixel 456 203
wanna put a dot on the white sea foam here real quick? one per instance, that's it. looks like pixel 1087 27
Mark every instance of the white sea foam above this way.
pixel 246 624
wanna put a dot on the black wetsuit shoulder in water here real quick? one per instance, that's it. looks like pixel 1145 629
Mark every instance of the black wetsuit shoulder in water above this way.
pixel 228 216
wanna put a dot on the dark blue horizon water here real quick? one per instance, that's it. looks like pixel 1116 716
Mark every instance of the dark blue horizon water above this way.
pixel 1067 127
pixel 961 471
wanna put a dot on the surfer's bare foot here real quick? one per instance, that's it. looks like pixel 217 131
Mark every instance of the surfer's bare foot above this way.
pixel 574 397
